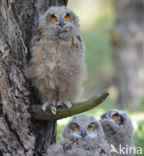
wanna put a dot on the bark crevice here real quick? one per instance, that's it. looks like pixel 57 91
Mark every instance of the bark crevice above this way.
pixel 13 131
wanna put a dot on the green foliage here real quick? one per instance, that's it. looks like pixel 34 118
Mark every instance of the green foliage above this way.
pixel 98 51
pixel 139 135
pixel 60 132
pixel 98 45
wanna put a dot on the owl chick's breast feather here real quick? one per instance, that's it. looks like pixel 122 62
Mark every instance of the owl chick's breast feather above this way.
pixel 57 59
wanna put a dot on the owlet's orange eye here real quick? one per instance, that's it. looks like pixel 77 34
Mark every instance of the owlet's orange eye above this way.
pixel 76 128
pixel 54 19
pixel 115 117
pixel 67 18
pixel 90 128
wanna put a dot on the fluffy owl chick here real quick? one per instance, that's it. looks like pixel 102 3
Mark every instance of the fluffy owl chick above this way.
pixel 57 150
pixel 83 136
pixel 119 132
pixel 57 66
pixel 86 133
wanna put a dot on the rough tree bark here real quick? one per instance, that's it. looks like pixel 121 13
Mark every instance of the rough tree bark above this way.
pixel 19 134
pixel 128 51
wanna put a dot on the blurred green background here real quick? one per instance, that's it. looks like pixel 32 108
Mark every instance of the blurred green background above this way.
pixel 96 16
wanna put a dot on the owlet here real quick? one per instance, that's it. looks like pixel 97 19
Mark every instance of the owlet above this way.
pixel 57 66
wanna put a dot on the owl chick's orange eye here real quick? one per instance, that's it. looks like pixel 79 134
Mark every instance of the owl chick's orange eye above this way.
pixel 115 117
pixel 54 19
pixel 67 18
pixel 76 128
pixel 90 128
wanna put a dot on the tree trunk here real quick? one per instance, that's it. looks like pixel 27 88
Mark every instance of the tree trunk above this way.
pixel 128 51
pixel 19 134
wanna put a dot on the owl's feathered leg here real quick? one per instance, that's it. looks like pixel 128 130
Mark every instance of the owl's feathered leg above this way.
pixel 44 106
pixel 49 100
pixel 53 107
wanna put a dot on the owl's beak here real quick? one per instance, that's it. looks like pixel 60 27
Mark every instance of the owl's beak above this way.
pixel 83 132
pixel 62 24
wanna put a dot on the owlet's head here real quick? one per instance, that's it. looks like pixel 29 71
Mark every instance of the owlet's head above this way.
pixel 60 22
pixel 83 127
pixel 116 122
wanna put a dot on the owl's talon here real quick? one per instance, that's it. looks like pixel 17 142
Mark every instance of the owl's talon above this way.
pixel 68 105
pixel 53 110
pixel 44 106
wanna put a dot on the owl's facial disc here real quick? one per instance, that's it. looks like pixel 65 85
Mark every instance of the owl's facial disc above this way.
pixel 85 131
pixel 82 127
pixel 111 122
pixel 115 117
pixel 60 21
pixel 78 131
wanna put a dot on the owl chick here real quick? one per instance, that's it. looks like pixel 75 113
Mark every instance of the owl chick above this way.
pixel 83 135
pixel 57 66
pixel 119 132
pixel 57 150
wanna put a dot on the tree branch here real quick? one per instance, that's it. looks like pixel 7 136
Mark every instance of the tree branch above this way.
pixel 37 113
